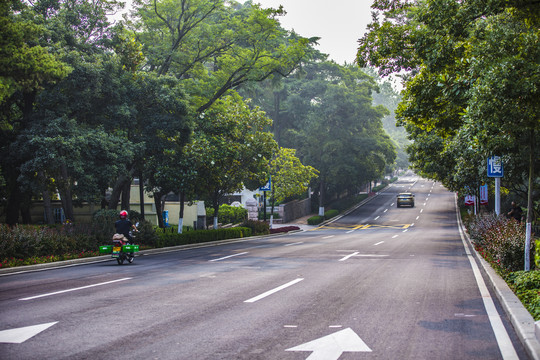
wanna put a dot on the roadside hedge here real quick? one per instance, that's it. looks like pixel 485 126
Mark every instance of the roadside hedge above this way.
pixel 200 236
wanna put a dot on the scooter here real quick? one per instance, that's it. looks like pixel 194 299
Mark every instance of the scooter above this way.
pixel 121 249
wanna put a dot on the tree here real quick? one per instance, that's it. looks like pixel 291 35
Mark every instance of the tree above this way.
pixel 473 87
pixel 289 176
pixel 343 136
pixel 231 148
pixel 213 47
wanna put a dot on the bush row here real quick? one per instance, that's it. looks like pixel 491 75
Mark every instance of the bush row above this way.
pixel 502 240
pixel 227 214
pixel 200 236
pixel 316 220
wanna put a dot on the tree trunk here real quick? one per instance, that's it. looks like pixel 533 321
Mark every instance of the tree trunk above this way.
pixel 530 204
pixel 66 197
pixel 118 187
pixel 13 205
pixel 47 207
pixel 215 204
pixel 126 195
pixel 182 195
pixel 157 203
pixel 321 197
pixel 141 194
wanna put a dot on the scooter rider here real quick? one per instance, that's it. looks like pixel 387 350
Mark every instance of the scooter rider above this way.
pixel 124 226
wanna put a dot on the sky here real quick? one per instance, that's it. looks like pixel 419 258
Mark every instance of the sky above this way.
pixel 339 23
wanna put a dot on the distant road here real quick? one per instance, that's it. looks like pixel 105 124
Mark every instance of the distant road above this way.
pixel 380 283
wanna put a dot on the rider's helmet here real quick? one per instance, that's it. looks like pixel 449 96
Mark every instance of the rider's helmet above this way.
pixel 123 214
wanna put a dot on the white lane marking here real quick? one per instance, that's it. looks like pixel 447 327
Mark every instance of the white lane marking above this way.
pixel 290 326
pixel 331 347
pixel 421 210
pixel 349 256
pixel 328 237
pixel 74 289
pixel 273 291
pixel 379 243
pixel 228 257
pixel 412 224
pixel 20 335
pixel 385 210
pixel 418 217
pixel 335 326
pixel 350 231
pixel 377 217
pixel 503 340
pixel 395 236
pixel 405 230
pixel 296 243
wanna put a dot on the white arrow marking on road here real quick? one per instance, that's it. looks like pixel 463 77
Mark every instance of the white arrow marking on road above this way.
pixel 20 335
pixel 331 347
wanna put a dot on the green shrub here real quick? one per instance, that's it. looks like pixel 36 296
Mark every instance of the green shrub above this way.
pixel 526 285
pixel 227 214
pixel 315 220
pixel 257 227
pixel 502 239
pixel 193 237
pixel 331 213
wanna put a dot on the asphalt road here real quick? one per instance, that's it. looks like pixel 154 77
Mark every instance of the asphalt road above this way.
pixel 380 283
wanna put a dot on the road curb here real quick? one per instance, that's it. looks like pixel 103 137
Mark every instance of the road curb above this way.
pixel 527 330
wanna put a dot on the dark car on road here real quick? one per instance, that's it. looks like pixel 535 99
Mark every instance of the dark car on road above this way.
pixel 405 199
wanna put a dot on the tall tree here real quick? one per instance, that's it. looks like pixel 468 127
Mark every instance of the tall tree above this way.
pixel 232 148
pixel 473 87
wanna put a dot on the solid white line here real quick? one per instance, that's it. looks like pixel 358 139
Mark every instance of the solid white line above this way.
pixel 74 289
pixel 379 243
pixel 349 256
pixel 503 340
pixel 268 293
pixel 227 257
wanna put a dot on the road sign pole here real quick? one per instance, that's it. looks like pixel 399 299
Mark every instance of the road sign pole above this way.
pixel 498 196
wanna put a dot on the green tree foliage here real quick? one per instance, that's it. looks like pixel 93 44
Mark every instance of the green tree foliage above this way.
pixel 215 45
pixel 289 176
pixel 231 148
pixel 472 88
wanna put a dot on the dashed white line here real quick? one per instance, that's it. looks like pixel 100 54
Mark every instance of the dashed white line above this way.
pixel 379 243
pixel 328 237
pixel 377 217
pixel 349 256
pixel 395 236
pixel 273 291
pixel 74 289
pixel 228 257
pixel 296 243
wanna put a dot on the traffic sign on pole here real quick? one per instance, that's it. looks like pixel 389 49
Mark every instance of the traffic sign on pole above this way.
pixel 495 167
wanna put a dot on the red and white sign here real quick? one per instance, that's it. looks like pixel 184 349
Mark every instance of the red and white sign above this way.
pixel 484 194
pixel 469 200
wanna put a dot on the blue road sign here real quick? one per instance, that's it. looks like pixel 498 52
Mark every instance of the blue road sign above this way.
pixel 268 186
pixel 495 167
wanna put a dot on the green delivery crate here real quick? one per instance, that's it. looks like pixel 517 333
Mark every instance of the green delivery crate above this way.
pixel 130 248
pixel 105 249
